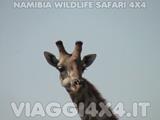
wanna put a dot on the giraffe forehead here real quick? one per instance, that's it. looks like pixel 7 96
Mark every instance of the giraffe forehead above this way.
pixel 65 60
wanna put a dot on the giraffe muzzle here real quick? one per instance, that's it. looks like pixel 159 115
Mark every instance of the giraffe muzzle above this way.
pixel 74 85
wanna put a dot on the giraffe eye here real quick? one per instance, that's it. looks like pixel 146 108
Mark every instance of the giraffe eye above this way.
pixel 61 68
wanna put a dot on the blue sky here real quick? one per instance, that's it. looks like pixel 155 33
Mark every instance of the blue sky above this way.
pixel 126 42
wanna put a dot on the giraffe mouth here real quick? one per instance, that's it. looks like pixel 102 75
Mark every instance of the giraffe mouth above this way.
pixel 74 86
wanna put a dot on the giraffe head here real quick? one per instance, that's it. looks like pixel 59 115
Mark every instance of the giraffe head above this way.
pixel 70 66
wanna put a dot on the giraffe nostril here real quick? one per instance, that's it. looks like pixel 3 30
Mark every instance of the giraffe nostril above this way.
pixel 76 82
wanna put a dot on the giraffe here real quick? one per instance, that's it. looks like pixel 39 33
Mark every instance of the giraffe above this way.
pixel 83 93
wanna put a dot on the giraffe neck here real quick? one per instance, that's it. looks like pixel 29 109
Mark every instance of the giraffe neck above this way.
pixel 89 94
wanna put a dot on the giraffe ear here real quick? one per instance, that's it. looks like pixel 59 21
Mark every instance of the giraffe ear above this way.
pixel 51 59
pixel 88 60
